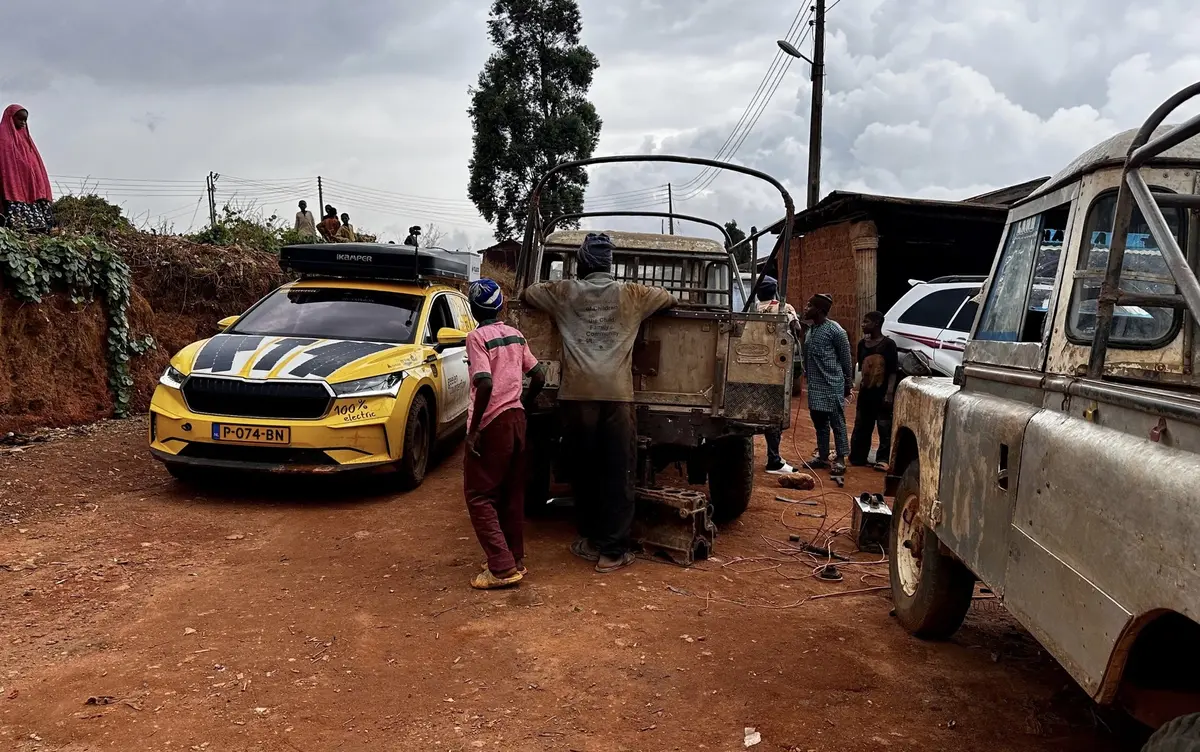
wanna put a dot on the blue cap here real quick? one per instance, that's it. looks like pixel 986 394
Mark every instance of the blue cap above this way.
pixel 485 293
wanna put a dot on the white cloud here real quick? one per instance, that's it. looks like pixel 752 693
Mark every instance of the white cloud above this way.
pixel 939 98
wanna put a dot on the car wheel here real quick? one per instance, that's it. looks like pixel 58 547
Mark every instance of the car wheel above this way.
pixel 730 476
pixel 1179 735
pixel 418 444
pixel 931 591
pixel 183 473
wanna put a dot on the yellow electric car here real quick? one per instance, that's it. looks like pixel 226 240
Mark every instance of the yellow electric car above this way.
pixel 359 365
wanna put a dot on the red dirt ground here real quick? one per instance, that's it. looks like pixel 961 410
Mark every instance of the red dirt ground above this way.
pixel 299 617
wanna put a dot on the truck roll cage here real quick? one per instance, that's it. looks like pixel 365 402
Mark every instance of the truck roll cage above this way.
pixel 735 278
pixel 1145 148
pixel 529 261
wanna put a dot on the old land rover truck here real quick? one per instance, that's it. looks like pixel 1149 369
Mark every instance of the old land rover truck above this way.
pixel 1061 466
pixel 706 377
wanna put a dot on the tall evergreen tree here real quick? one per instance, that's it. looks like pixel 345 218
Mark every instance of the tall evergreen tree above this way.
pixel 530 111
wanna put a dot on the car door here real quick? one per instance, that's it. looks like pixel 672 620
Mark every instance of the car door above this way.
pixel 952 340
pixel 452 363
pixel 920 327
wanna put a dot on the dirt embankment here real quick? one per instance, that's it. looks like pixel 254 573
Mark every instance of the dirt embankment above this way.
pixel 54 354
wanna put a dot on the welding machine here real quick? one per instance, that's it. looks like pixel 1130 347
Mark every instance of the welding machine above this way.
pixel 870 522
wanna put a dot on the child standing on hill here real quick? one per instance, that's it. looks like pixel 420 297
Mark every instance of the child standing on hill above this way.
pixel 494 465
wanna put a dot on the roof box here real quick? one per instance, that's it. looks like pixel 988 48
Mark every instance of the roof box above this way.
pixel 402 263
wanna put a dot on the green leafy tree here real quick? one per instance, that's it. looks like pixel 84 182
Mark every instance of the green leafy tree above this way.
pixel 530 111
pixel 742 254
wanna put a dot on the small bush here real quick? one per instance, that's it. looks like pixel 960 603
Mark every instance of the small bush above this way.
pixel 89 214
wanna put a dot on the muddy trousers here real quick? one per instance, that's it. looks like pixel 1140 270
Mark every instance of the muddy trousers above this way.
pixel 869 413
pixel 602 441
pixel 494 484
pixel 823 422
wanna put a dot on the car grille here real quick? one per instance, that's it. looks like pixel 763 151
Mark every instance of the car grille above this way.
pixel 265 455
pixel 247 399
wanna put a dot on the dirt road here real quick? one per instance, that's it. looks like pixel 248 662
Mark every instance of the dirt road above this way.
pixel 302 617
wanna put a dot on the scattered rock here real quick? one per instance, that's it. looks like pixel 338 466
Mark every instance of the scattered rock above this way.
pixel 100 700
pixel 235 536
pixel 362 535
pixel 188 631
pixel 751 737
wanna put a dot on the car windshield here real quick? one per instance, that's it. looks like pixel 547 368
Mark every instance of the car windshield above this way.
pixel 334 313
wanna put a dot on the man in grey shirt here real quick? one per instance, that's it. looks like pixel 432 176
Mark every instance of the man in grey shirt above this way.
pixel 598 319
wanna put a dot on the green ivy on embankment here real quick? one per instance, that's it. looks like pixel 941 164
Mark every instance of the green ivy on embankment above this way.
pixel 85 268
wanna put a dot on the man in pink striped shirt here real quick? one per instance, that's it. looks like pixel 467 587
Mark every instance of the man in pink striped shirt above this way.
pixel 494 466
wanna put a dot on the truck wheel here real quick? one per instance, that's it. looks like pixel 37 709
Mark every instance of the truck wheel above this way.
pixel 730 476
pixel 1179 735
pixel 417 445
pixel 931 591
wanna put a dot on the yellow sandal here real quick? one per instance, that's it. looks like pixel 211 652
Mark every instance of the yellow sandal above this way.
pixel 485 580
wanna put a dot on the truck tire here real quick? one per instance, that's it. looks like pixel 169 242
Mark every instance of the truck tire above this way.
pixel 539 466
pixel 418 445
pixel 1179 735
pixel 730 476
pixel 931 592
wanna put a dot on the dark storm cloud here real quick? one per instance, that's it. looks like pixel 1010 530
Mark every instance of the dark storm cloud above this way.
pixel 180 43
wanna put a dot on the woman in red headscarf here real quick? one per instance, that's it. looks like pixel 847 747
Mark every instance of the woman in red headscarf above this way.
pixel 24 185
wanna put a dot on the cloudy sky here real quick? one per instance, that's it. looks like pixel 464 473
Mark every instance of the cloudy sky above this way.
pixel 141 99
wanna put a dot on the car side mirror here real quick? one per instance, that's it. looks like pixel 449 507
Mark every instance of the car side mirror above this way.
pixel 227 322
pixel 449 337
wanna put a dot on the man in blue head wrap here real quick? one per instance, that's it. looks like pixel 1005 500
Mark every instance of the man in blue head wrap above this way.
pixel 598 319
pixel 494 464
pixel 766 291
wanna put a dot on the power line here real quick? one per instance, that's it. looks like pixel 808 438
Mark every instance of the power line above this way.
pixel 746 133
pixel 751 114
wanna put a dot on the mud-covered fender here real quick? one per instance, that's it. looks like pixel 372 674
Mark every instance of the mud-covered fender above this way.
pixel 918 421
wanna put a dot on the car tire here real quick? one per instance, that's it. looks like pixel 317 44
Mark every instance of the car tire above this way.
pixel 186 473
pixel 418 445
pixel 931 591
pixel 730 476
pixel 1179 735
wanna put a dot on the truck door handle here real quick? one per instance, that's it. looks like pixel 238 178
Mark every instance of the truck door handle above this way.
pixel 1002 473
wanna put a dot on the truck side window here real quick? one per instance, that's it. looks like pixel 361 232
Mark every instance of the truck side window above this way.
pixel 1143 270
pixel 1018 307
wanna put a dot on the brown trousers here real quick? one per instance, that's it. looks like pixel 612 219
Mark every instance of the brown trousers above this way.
pixel 494 484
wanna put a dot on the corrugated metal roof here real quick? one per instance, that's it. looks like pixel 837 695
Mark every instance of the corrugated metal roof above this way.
pixel 640 240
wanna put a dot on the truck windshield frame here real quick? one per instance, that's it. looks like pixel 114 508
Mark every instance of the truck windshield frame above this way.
pixel 335 313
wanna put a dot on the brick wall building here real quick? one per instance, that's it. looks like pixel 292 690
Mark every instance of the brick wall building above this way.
pixel 863 249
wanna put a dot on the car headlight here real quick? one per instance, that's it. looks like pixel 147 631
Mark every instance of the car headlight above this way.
pixel 172 377
pixel 376 386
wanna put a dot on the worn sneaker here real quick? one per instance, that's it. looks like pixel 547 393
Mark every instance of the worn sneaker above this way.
pixel 781 469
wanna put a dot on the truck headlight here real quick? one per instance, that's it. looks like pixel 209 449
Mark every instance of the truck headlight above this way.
pixel 387 385
pixel 172 377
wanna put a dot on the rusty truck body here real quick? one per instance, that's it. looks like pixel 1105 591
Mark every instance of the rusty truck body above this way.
pixel 707 376
pixel 1061 465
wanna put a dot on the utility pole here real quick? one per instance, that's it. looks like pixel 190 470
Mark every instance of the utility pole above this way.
pixel 320 196
pixel 818 95
pixel 212 198
pixel 818 92
pixel 671 208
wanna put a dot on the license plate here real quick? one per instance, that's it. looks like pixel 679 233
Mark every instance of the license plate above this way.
pixel 251 434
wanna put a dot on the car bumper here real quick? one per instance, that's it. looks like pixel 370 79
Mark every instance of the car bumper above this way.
pixel 366 438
